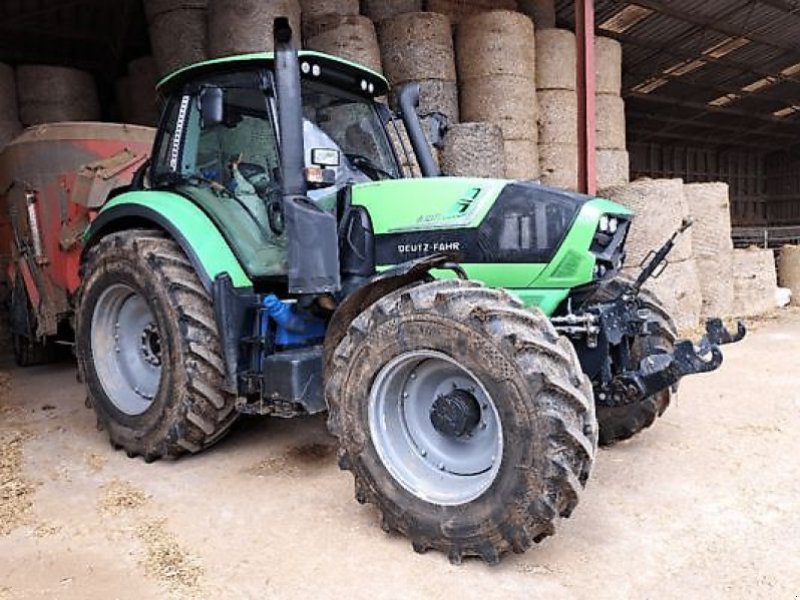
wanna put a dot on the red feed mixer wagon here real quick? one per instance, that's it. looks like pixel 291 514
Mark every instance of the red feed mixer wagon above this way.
pixel 53 180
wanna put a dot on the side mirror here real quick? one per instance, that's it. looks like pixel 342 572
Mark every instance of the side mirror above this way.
pixel 212 106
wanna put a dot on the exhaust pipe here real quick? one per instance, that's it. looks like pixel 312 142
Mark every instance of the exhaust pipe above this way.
pixel 312 237
pixel 290 111
pixel 408 99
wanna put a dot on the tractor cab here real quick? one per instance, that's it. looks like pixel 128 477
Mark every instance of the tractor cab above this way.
pixel 222 128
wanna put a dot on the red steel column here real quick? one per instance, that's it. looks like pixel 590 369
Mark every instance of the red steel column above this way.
pixel 584 34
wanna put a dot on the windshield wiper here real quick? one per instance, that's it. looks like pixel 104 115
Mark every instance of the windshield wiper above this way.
pixel 363 162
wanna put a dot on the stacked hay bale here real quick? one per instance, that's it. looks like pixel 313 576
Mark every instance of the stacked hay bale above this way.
pixel 496 56
pixel 709 206
pixel 177 32
pixel 351 37
pixel 320 13
pixel 136 93
pixel 556 85
pixel 474 150
pixel 418 47
pixel 755 282
pixel 542 12
pixel 51 94
pixel 458 10
pixel 613 162
pixel 244 26
pixel 789 271
pixel 378 10
pixel 10 126
pixel 398 136
pixel 660 207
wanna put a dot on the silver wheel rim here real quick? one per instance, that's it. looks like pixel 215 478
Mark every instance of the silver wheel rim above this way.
pixel 440 468
pixel 126 349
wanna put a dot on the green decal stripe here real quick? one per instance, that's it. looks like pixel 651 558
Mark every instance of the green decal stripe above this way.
pixel 210 248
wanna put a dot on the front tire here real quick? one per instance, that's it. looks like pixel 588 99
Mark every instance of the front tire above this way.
pixel 463 417
pixel 148 348
pixel 619 423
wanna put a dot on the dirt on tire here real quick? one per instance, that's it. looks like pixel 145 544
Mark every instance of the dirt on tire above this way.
pixel 190 410
pixel 544 402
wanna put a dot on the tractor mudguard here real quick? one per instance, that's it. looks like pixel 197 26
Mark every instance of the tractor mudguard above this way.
pixel 185 222
pixel 381 284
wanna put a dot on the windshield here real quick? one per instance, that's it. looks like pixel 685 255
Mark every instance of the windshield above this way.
pixel 240 154
pixel 335 120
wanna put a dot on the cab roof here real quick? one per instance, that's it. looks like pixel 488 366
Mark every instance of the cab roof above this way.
pixel 314 65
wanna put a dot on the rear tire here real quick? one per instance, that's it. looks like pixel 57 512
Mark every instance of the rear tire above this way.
pixel 620 423
pixel 148 348
pixel 530 387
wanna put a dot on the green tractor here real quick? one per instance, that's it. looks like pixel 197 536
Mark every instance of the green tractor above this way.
pixel 271 259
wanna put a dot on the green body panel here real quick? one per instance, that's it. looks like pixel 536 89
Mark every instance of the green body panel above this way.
pixel 455 203
pixel 427 203
pixel 211 249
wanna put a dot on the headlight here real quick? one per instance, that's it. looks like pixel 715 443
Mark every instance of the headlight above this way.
pixel 604 224
pixel 613 224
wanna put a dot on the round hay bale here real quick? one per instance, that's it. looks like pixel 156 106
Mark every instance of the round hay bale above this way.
pixel 789 271
pixel 143 102
pixel 9 111
pixel 558 164
pixel 317 8
pixel 457 10
pixel 122 88
pixel 52 94
pixel 543 12
pixel 608 66
pixel 558 117
pixel 436 96
pixel 144 66
pixel 402 146
pixel 556 67
pixel 678 288
pixel 506 100
pixel 243 26
pixel 522 159
pixel 716 284
pixel 354 39
pixel 613 168
pixel 473 150
pixel 8 131
pixel 709 206
pixel 755 282
pixel 178 37
pixel 660 207
pixel 319 15
pixel 154 8
pixel 378 10
pixel 499 42
pixel 610 111
pixel 417 46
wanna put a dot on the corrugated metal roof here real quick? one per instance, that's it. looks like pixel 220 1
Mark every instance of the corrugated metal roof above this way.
pixel 694 67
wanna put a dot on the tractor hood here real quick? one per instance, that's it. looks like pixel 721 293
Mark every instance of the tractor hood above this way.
pixel 484 220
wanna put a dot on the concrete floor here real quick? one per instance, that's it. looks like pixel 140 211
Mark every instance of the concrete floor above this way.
pixel 703 505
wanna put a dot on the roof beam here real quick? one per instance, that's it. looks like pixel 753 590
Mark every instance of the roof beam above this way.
pixel 694 121
pixel 714 25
